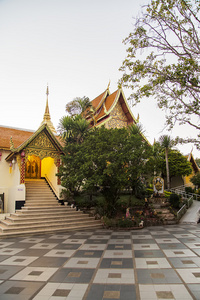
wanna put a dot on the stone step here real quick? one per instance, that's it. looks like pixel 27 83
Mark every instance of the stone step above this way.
pixel 45 219
pixel 33 227
pixel 55 204
pixel 43 213
pixel 43 208
pixel 45 216
pixel 48 214
pixel 47 222
pixel 40 195
pixel 50 230
pixel 39 214
pixel 43 201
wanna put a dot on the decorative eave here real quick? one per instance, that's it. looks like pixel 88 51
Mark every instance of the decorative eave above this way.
pixel 103 121
pixel 191 159
pixel 51 136
pixel 104 96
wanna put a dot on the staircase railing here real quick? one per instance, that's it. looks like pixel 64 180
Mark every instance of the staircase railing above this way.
pixel 189 201
pixel 51 186
pixel 181 212
pixel 182 192
pixel 184 208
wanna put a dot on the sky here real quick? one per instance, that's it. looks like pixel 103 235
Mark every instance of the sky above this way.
pixel 74 46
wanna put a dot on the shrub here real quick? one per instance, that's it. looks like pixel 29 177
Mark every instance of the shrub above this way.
pixel 189 189
pixel 167 194
pixel 85 201
pixel 109 222
pixel 125 223
pixel 174 200
pixel 196 179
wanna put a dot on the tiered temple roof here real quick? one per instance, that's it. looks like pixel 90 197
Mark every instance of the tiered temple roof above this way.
pixel 113 107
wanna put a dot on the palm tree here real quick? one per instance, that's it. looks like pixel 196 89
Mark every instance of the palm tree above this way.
pixel 136 129
pixel 73 129
pixel 166 143
pixel 79 106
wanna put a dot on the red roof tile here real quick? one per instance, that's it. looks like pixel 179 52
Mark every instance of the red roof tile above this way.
pixel 18 136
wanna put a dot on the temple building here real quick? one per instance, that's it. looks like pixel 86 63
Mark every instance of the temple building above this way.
pixel 111 110
pixel 26 154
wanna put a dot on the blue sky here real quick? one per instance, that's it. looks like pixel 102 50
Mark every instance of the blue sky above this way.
pixel 76 47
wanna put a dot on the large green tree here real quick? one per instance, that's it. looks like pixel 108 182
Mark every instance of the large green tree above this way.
pixel 163 59
pixel 109 159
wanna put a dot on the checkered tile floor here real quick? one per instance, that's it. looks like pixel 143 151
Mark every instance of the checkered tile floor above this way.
pixel 153 263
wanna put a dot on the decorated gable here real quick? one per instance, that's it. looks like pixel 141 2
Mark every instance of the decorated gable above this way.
pixel 111 110
pixel 42 147
pixel 118 118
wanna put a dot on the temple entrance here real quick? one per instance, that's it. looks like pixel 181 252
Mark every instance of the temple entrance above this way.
pixel 33 167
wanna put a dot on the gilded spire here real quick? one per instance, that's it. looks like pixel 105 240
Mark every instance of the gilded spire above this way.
pixel 47 118
pixel 108 85
pixel 47 114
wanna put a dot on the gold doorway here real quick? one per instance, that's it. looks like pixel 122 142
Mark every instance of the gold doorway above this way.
pixel 33 167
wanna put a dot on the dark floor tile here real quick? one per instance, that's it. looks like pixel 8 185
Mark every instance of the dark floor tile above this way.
pixel 19 290
pixel 148 253
pixel 96 241
pixel 195 290
pixel 184 262
pixel 120 237
pixel 70 275
pixel 111 292
pixel 77 237
pixel 157 276
pixel 118 263
pixel 33 252
pixel 144 241
pixel 21 245
pixel 67 246
pixel 88 253
pixel 3 257
pixel 119 246
pixel 8 271
pixel 49 262
pixel 166 246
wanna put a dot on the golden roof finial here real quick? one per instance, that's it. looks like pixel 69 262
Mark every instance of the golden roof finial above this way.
pixel 119 85
pixel 47 114
pixel 47 118
pixel 108 85
pixel 47 92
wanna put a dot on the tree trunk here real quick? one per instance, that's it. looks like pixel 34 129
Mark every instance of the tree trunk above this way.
pixel 167 169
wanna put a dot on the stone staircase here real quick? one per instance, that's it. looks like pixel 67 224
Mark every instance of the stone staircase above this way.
pixel 161 207
pixel 42 213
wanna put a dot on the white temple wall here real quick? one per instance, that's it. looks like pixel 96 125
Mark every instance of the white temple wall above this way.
pixel 5 177
pixel 10 184
pixel 49 170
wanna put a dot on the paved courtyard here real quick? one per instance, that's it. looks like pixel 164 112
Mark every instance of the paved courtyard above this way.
pixel 152 263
